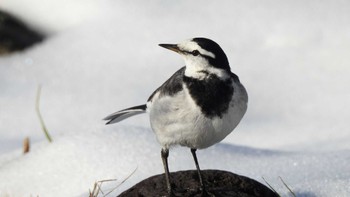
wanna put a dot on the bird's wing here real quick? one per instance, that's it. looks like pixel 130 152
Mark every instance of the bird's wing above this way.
pixel 125 113
pixel 171 86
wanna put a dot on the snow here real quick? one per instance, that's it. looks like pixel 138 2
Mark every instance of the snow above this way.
pixel 102 56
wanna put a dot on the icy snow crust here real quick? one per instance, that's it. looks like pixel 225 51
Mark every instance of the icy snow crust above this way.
pixel 102 56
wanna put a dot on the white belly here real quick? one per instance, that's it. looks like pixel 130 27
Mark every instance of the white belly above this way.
pixel 178 120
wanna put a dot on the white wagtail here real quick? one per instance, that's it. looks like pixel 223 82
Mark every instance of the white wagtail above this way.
pixel 196 107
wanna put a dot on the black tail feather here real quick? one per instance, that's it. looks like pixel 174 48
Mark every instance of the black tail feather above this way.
pixel 125 113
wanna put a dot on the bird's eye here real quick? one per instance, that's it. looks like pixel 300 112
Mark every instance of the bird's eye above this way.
pixel 195 52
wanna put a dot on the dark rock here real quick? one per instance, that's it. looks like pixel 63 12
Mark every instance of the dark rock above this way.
pixel 15 35
pixel 185 183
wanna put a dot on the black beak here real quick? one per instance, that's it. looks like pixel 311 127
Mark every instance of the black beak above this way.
pixel 172 47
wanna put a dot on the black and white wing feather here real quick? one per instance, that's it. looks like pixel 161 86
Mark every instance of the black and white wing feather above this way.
pixel 171 86
pixel 125 113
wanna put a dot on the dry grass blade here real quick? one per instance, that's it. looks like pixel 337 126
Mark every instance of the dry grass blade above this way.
pixel 98 184
pixel 26 145
pixel 290 190
pixel 121 182
pixel 46 132
pixel 97 188
pixel 94 192
pixel 270 186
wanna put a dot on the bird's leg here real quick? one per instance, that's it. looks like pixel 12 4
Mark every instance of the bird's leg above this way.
pixel 165 154
pixel 198 169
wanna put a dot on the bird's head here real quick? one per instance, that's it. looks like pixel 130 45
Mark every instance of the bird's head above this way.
pixel 202 57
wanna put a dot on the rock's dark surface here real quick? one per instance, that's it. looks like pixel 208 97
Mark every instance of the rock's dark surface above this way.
pixel 15 35
pixel 185 183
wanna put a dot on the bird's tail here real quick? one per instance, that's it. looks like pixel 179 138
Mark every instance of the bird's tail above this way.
pixel 125 113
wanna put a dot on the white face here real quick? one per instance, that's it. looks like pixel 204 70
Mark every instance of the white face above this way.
pixel 196 64
pixel 189 45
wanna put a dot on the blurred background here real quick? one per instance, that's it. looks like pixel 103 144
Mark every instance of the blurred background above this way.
pixel 94 57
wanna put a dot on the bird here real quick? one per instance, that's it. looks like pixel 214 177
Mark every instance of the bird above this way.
pixel 197 107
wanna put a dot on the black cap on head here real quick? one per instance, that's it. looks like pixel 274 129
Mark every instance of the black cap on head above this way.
pixel 220 60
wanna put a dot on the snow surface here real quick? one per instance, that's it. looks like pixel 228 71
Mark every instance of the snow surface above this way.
pixel 102 56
